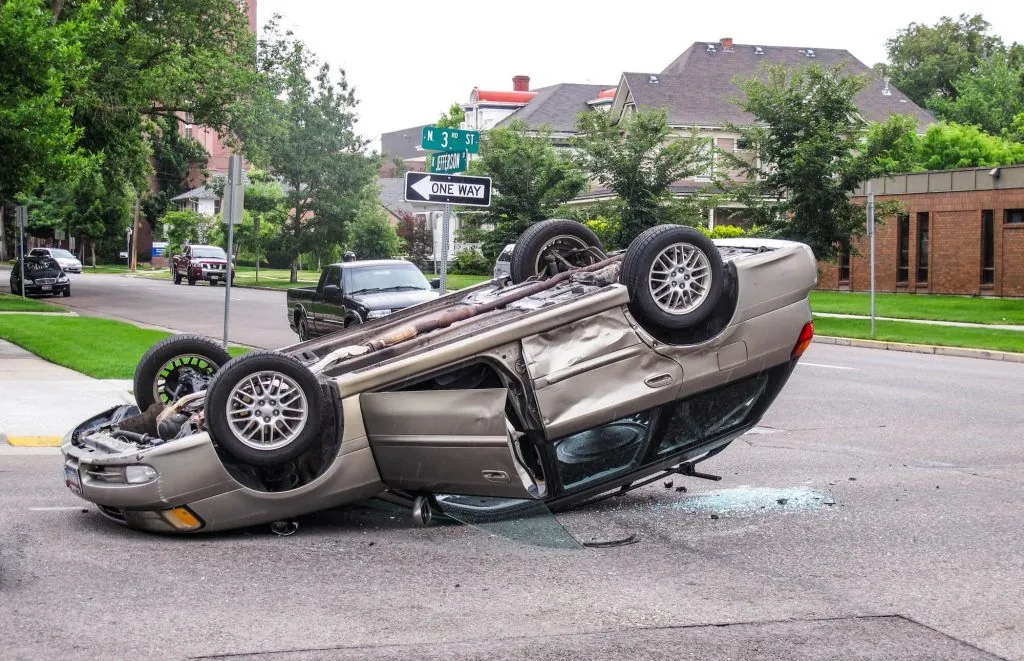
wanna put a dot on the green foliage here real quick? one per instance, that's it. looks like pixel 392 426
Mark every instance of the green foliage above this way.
pixel 471 262
pixel 639 158
pixel 989 96
pixel 303 132
pixel 453 118
pixel 530 178
pixel 371 235
pixel 42 62
pixel 173 157
pixel 603 217
pixel 893 145
pixel 723 232
pixel 950 145
pixel 189 227
pixel 811 153
pixel 926 61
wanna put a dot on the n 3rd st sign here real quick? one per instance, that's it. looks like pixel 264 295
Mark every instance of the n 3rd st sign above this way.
pixel 447 189
pixel 436 138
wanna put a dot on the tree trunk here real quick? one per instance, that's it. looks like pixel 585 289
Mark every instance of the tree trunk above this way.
pixel 295 270
pixel 92 248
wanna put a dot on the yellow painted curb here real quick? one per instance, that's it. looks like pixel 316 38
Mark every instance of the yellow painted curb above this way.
pixel 35 441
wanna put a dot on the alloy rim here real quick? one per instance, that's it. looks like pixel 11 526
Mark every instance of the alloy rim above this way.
pixel 267 410
pixel 680 278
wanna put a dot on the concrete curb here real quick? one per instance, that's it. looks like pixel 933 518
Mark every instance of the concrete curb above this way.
pixel 65 313
pixel 1006 356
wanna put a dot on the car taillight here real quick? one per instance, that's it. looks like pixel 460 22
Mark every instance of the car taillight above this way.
pixel 804 341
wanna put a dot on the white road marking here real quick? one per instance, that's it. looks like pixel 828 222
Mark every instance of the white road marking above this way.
pixel 56 509
pixel 834 367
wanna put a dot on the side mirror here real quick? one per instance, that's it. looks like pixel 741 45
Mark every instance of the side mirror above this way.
pixel 436 283
pixel 332 290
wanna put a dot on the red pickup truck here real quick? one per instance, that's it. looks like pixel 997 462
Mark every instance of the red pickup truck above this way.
pixel 196 263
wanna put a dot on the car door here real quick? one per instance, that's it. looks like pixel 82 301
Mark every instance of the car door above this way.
pixel 446 441
pixel 330 306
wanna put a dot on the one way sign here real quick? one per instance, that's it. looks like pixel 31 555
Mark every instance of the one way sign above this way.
pixel 447 189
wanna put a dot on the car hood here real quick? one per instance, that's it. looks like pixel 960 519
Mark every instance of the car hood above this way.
pixel 43 273
pixel 394 300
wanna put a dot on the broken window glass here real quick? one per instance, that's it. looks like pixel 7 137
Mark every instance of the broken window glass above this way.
pixel 601 452
pixel 524 521
pixel 711 414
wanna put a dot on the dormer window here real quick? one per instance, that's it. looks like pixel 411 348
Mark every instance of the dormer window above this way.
pixel 653 80
pixel 809 52
pixel 758 50
pixel 712 49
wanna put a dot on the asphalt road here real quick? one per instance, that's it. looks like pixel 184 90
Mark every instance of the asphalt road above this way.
pixel 899 537
pixel 258 317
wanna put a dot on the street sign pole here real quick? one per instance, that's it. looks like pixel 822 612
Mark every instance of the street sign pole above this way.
pixel 256 229
pixel 234 216
pixel 20 252
pixel 871 234
pixel 445 228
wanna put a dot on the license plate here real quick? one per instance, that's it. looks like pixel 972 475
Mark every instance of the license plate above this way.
pixel 47 287
pixel 73 480
pixel 214 278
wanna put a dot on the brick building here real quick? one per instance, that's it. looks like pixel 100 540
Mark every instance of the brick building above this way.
pixel 960 232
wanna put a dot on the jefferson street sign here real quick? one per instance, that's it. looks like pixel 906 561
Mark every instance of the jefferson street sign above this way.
pixel 436 138
pixel 449 162
pixel 447 189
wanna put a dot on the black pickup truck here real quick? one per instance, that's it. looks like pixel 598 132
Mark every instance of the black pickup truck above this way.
pixel 353 292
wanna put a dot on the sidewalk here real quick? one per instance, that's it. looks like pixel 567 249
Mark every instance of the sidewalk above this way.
pixel 41 402
pixel 931 322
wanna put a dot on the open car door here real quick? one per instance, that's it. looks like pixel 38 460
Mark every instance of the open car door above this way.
pixel 446 441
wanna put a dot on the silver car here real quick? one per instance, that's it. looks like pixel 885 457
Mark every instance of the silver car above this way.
pixel 583 375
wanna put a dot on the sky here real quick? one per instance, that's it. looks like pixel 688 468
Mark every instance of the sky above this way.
pixel 409 61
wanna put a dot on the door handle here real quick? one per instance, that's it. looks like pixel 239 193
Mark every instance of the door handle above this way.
pixel 496 476
pixel 658 380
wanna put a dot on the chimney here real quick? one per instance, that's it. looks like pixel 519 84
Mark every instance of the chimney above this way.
pixel 520 83
pixel 726 43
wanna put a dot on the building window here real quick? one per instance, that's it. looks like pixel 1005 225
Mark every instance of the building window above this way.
pixel 216 206
pixel 844 266
pixel 188 131
pixel 988 248
pixel 1013 216
pixel 922 247
pixel 902 248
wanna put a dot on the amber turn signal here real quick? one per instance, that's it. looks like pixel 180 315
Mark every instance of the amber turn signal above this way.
pixel 804 341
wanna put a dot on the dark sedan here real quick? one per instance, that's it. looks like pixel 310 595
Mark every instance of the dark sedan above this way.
pixel 43 277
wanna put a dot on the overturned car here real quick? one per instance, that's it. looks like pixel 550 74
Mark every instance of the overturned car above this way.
pixel 581 375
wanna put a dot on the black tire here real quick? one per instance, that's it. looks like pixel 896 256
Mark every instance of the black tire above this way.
pixel 213 283
pixel 302 329
pixel 192 281
pixel 353 321
pixel 177 278
pixel 639 277
pixel 542 247
pixel 236 374
pixel 149 372
pixel 66 293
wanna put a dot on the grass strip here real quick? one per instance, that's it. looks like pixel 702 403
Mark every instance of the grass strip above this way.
pixel 911 333
pixel 923 306
pixel 101 348
pixel 13 303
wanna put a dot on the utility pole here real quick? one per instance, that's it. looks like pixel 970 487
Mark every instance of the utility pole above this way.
pixel 20 252
pixel 233 198
pixel 871 234
pixel 133 257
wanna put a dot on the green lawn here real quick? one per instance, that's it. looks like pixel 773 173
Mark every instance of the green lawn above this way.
pixel 923 306
pixel 15 303
pixel 456 281
pixel 102 348
pixel 911 333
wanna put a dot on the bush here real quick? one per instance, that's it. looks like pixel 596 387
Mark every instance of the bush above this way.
pixel 724 232
pixel 470 262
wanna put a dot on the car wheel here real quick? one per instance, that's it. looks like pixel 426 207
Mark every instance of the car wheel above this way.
pixel 66 293
pixel 552 246
pixel 177 278
pixel 674 275
pixel 353 321
pixel 192 281
pixel 213 283
pixel 264 408
pixel 303 329
pixel 175 367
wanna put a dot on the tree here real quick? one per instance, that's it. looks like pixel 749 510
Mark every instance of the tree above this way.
pixel 950 145
pixel 530 180
pixel 453 118
pixel 306 139
pixel 174 156
pixel 418 237
pixel 811 152
pixel 41 62
pixel 187 227
pixel 371 236
pixel 638 158
pixel 988 97
pixel 926 60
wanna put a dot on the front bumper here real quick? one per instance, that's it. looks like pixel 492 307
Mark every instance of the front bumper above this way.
pixel 47 290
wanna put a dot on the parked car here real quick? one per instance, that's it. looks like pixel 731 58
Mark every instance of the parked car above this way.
pixel 354 292
pixel 43 277
pixel 503 265
pixel 66 259
pixel 197 263
pixel 583 376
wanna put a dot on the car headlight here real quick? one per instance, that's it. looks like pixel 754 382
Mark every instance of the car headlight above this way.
pixel 29 281
pixel 139 474
pixel 377 314
pixel 63 278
